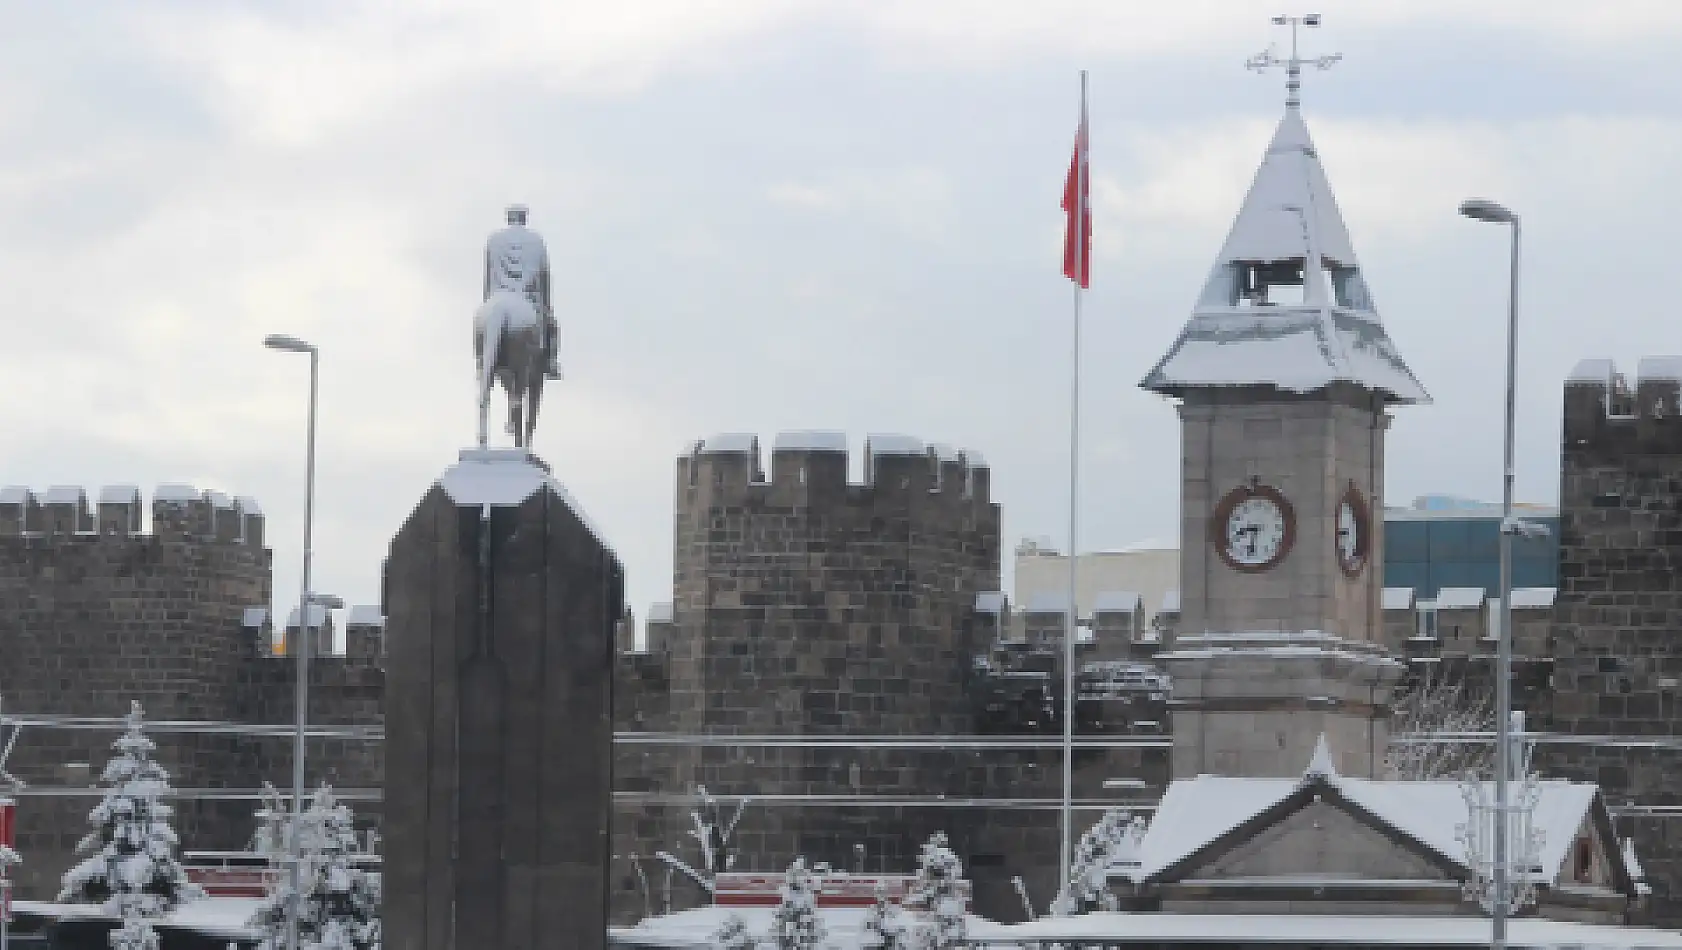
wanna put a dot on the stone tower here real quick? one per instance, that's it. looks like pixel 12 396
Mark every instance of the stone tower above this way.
pixel 1617 662
pixel 1284 375
pixel 810 605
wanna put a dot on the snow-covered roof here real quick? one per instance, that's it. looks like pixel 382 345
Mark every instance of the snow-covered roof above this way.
pixel 1333 334
pixel 1660 367
pixel 1592 371
pixel 1171 602
pixel 318 617
pixel 991 601
pixel 219 499
pixel 660 612
pixel 249 505
pixel 119 495
pixel 810 441
pixel 1303 930
pixel 732 442
pixel 364 615
pixel 1195 812
pixel 1121 601
pixel 64 495
pixel 891 444
pixel 14 495
pixel 1533 598
pixel 1461 598
pixel 1631 863
pixel 176 494
pixel 1397 598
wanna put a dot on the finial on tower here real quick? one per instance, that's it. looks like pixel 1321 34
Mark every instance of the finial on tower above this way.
pixel 1263 61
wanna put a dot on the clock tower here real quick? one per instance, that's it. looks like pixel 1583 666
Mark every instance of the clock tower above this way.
pixel 1284 378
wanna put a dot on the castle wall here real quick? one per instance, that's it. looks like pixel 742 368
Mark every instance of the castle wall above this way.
pixel 808 605
pixel 97 610
pixel 1617 659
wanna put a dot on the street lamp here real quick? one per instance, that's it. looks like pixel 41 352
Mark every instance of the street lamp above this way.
pixel 292 344
pixel 1482 209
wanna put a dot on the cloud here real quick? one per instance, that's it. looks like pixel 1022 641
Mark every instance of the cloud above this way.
pixel 752 236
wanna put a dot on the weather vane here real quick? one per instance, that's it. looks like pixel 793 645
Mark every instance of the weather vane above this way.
pixel 1262 62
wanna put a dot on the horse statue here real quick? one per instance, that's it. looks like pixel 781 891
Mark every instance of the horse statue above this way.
pixel 514 329
pixel 508 345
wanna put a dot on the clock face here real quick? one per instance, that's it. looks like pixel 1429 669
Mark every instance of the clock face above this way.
pixel 1253 528
pixel 1352 532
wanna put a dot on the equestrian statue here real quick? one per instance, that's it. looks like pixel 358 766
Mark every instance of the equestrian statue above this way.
pixel 514 328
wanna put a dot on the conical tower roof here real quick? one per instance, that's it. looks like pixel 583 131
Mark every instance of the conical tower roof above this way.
pixel 1286 304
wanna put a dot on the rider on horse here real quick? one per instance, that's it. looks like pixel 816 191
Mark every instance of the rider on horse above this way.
pixel 516 260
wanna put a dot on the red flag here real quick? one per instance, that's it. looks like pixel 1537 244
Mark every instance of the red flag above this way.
pixel 1077 191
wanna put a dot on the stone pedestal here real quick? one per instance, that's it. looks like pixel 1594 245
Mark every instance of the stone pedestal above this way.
pixel 499 736
pixel 1254 705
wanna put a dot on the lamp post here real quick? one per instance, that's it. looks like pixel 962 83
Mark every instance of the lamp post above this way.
pixel 305 600
pixel 1482 209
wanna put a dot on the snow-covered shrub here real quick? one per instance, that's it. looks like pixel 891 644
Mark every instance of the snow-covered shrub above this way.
pixel 341 904
pixel 1113 840
pixel 273 820
pixel 135 933
pixel 796 925
pixel 935 892
pixel 885 928
pixel 130 866
pixel 733 935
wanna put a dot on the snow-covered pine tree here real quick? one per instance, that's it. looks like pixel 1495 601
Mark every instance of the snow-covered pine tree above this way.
pixel 341 905
pixel 935 892
pixel 131 866
pixel 884 928
pixel 733 935
pixel 1108 842
pixel 796 925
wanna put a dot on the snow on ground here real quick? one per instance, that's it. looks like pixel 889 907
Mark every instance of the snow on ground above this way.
pixel 694 928
pixel 217 916
pixel 1309 930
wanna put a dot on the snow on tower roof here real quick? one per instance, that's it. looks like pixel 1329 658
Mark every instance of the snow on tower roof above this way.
pixel 1288 233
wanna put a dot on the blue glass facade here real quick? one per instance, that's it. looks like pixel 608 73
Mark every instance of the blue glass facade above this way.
pixel 1460 549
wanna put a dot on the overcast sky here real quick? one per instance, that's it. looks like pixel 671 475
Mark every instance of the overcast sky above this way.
pixel 769 215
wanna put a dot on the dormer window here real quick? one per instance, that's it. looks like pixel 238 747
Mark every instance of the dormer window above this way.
pixel 1269 283
pixel 1582 861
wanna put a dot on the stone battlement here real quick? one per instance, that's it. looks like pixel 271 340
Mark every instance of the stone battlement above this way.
pixel 177 513
pixel 1603 409
pixel 810 468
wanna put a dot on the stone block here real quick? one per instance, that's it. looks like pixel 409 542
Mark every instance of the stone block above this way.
pixel 503 605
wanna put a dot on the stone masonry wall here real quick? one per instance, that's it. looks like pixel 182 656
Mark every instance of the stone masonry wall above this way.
pixel 96 612
pixel 1618 661
pixel 805 605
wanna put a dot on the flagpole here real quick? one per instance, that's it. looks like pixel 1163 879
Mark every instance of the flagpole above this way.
pixel 1082 151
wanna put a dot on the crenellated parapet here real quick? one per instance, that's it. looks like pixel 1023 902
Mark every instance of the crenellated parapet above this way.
pixel 177 513
pixel 1606 411
pixel 813 469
